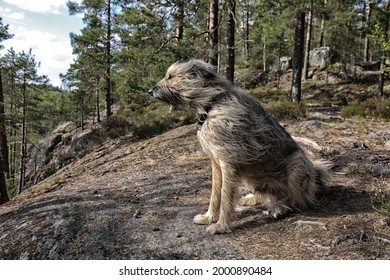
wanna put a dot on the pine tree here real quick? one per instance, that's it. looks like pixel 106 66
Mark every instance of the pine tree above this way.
pixel 98 19
pixel 384 40
pixel 298 56
pixel 213 32
pixel 230 40
pixel 4 162
pixel 27 77
pixel 308 41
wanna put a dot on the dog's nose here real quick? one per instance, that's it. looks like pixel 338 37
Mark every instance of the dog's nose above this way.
pixel 151 90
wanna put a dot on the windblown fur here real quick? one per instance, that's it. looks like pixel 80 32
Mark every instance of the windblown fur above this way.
pixel 245 144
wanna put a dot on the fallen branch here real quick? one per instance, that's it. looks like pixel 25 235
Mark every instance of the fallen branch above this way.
pixel 307 141
pixel 317 245
pixel 301 223
pixel 381 239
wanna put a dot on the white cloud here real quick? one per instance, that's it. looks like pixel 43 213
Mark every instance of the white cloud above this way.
pixel 55 54
pixel 42 6
pixel 16 16
pixel 8 14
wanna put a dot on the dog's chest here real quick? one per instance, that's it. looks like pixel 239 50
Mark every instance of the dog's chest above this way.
pixel 204 137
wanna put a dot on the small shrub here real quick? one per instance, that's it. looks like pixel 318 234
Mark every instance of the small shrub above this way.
pixel 265 95
pixel 329 152
pixel 381 203
pixel 370 108
pixel 156 119
pixel 116 126
pixel 383 109
pixel 283 110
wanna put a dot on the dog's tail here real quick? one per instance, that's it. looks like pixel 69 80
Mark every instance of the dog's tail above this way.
pixel 322 176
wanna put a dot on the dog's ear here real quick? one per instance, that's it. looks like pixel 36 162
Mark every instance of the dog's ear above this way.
pixel 203 70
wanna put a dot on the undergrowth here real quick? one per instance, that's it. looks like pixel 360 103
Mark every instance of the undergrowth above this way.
pixel 156 119
pixel 381 203
pixel 278 103
pixel 369 108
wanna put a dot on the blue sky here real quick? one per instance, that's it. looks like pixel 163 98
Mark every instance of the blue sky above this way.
pixel 43 26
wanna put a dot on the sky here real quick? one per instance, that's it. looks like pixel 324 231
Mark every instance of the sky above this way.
pixel 43 26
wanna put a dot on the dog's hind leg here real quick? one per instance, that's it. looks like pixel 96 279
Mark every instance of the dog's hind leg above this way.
pixel 250 199
pixel 212 213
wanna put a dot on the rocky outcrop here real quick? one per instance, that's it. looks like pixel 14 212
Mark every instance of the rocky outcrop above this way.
pixel 320 57
pixel 281 64
pixel 57 149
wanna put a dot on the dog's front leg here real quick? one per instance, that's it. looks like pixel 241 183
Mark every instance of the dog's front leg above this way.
pixel 228 201
pixel 212 213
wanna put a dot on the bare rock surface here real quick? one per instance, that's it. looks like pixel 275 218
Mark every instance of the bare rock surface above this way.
pixel 131 199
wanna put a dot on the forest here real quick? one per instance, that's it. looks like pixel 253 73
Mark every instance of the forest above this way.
pixel 127 45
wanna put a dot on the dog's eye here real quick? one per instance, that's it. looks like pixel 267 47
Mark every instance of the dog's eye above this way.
pixel 169 76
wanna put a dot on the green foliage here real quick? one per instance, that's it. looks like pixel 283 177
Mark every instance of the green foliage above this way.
pixel 370 108
pixel 155 119
pixel 286 110
pixel 4 34
pixel 277 102
pixel 116 126
pixel 381 203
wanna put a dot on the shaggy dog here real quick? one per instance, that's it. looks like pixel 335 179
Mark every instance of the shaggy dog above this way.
pixel 246 146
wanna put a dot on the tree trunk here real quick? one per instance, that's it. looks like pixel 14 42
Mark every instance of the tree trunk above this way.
pixel 298 56
pixel 322 29
pixel 213 32
pixel 23 141
pixel 3 133
pixel 3 187
pixel 308 42
pixel 264 54
pixel 13 132
pixel 230 40
pixel 382 74
pixel 108 61
pixel 179 29
pixel 245 16
pixel 367 39
pixel 97 101
pixel 4 166
pixel 13 156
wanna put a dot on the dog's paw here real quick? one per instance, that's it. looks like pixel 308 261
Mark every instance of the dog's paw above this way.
pixel 218 228
pixel 277 211
pixel 204 219
pixel 248 200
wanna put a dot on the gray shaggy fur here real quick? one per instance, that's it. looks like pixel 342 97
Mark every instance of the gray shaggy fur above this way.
pixel 246 146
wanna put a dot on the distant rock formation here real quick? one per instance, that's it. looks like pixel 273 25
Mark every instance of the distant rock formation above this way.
pixel 281 64
pixel 320 57
pixel 58 149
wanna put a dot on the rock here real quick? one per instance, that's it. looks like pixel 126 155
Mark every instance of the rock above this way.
pixel 370 65
pixel 358 145
pixel 379 171
pixel 320 57
pixel 281 64
pixel 251 78
pixel 57 149
pixel 357 73
pixel 381 134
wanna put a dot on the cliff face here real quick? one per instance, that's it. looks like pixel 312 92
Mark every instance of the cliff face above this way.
pixel 57 149
pixel 129 199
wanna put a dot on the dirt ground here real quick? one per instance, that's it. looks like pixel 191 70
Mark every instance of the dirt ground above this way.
pixel 136 199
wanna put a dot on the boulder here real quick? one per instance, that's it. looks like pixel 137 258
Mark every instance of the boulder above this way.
pixel 282 64
pixel 57 149
pixel 320 57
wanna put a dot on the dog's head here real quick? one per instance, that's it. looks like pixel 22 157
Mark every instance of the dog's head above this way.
pixel 185 83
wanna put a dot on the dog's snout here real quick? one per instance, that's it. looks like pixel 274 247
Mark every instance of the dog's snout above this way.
pixel 151 91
